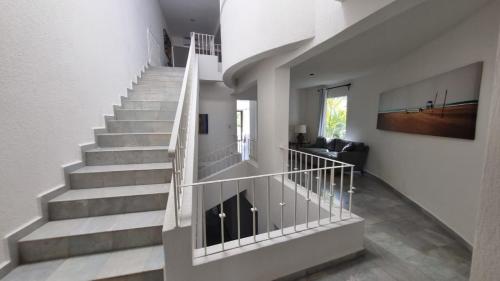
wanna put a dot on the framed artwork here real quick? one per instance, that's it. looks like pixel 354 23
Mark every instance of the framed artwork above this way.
pixel 445 105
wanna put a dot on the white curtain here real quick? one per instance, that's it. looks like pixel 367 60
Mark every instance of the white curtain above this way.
pixel 322 99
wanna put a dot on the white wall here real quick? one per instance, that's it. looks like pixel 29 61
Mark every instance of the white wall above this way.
pixel 440 174
pixel 249 28
pixel 487 242
pixel 216 101
pixel 62 66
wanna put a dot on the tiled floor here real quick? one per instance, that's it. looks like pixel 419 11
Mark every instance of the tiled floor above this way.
pixel 402 243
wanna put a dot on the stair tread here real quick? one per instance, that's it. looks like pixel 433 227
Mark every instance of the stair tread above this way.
pixel 149 133
pixel 93 267
pixel 127 148
pixel 125 167
pixel 140 121
pixel 112 191
pixel 100 224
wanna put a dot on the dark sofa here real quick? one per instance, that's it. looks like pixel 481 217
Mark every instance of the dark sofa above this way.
pixel 341 150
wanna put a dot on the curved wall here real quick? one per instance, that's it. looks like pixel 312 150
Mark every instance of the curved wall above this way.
pixel 250 28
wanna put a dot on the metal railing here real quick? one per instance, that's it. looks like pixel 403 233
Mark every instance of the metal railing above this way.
pixel 306 182
pixel 205 45
pixel 177 148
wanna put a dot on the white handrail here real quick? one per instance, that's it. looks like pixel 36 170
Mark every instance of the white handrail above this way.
pixel 177 147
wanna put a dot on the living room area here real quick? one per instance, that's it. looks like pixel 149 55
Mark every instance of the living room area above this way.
pixel 411 113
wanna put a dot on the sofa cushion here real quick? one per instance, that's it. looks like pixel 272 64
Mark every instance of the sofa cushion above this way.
pixel 331 145
pixel 314 150
pixel 320 142
pixel 339 144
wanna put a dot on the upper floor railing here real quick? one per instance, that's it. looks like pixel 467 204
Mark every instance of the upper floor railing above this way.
pixel 205 45
pixel 184 127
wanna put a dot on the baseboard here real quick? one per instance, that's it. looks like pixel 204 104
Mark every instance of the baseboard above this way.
pixel 317 268
pixel 449 230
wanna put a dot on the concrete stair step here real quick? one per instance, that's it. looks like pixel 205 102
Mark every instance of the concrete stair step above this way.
pixel 149 104
pixel 153 96
pixel 126 155
pixel 83 236
pixel 133 139
pixel 144 114
pixel 102 201
pixel 160 81
pixel 139 126
pixel 120 175
pixel 144 263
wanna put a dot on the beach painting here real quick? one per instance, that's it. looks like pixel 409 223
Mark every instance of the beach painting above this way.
pixel 445 105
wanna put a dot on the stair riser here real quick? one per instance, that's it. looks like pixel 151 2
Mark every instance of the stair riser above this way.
pixel 153 97
pixel 144 115
pixel 159 84
pixel 120 178
pixel 126 157
pixel 139 127
pixel 64 247
pixel 160 81
pixel 150 105
pixel 153 275
pixel 133 140
pixel 107 206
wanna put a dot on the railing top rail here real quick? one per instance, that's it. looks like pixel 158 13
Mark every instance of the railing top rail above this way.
pixel 180 105
pixel 266 175
pixel 320 157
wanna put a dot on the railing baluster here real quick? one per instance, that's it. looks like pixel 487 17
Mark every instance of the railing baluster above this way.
pixel 282 203
pixel 332 196
pixel 341 197
pixel 308 199
pixel 222 216
pixel 319 196
pixel 295 207
pixel 351 191
pixel 268 208
pixel 204 219
pixel 253 209
pixel 238 210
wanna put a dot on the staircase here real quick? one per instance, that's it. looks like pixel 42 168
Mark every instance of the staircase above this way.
pixel 108 225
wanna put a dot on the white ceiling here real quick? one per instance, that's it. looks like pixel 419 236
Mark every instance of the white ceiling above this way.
pixel 383 44
pixel 178 15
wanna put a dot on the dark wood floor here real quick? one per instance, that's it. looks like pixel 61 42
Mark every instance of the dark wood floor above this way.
pixel 402 242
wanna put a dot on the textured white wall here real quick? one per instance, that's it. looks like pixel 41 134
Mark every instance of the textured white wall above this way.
pixel 217 102
pixel 442 175
pixel 62 66
pixel 487 245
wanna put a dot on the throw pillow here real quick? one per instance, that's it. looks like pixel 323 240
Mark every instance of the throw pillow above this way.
pixel 348 147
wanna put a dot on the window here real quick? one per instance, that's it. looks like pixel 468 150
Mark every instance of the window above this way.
pixel 335 117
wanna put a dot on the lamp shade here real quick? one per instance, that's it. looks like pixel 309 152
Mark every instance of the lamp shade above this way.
pixel 300 129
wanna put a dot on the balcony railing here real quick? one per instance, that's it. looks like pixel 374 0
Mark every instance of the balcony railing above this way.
pixel 305 195
pixel 205 45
